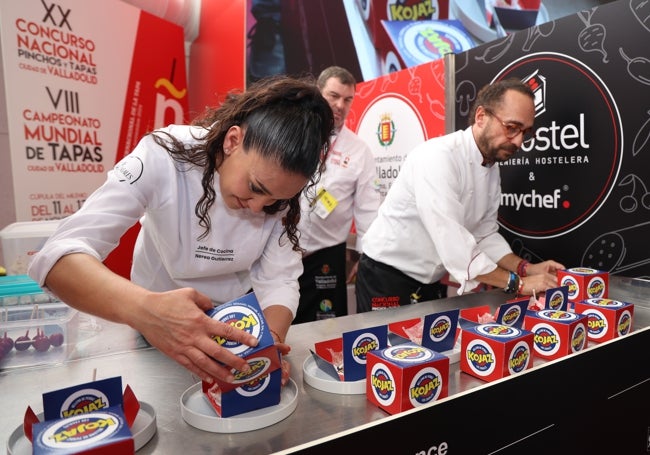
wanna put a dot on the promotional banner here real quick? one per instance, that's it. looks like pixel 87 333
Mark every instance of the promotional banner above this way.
pixel 579 192
pixel 398 111
pixel 84 81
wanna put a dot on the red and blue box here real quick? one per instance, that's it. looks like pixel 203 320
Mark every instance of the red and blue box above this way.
pixel 556 333
pixel 406 376
pixel 258 388
pixel 344 358
pixel 608 318
pixel 413 43
pixel 375 11
pixel 89 418
pixel 493 351
pixel 436 331
pixel 584 283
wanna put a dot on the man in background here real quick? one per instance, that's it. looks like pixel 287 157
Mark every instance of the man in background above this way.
pixel 440 214
pixel 347 193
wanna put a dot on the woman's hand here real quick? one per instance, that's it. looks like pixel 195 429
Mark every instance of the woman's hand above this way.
pixel 175 323
pixel 286 366
pixel 543 267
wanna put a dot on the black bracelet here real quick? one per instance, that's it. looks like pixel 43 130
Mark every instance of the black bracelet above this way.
pixel 513 283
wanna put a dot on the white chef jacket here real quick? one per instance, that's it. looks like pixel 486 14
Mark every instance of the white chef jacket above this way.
pixel 240 252
pixel 351 178
pixel 440 214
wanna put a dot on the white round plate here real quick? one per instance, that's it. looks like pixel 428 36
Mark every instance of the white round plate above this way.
pixel 320 380
pixel 143 429
pixel 469 13
pixel 196 411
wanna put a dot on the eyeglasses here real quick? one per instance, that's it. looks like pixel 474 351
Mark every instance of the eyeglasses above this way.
pixel 512 129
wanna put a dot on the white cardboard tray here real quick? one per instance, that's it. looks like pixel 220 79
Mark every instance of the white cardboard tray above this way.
pixel 320 380
pixel 143 429
pixel 197 412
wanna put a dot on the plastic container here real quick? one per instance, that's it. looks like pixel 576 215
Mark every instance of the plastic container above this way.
pixel 22 323
pixel 20 241
pixel 21 290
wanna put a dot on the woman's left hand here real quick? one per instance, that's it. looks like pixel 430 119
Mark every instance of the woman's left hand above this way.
pixel 286 366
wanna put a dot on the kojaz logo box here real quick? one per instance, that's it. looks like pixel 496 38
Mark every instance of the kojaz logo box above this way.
pixel 260 387
pixel 607 318
pixel 556 333
pixel 94 417
pixel 344 358
pixel 584 283
pixel 406 376
pixel 494 351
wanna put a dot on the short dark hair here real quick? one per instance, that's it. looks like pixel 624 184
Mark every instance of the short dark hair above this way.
pixel 341 74
pixel 491 95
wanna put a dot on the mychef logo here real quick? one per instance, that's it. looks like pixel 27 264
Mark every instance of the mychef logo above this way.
pixel 83 401
pixel 81 431
pixel 440 328
pixel 573 161
pixel 364 343
pixel 425 387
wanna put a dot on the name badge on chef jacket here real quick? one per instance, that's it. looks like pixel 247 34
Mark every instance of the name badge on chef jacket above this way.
pixel 324 203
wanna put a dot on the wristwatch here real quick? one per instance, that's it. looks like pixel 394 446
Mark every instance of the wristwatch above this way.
pixel 513 283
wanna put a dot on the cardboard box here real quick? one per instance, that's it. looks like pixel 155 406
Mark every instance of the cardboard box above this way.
pixel 261 392
pixel 345 358
pixel 97 432
pixel 406 376
pixel 510 314
pixel 608 318
pixel 416 42
pixel 436 331
pixel 90 418
pixel 245 314
pixel 556 333
pixel 375 11
pixel 21 241
pixel 493 351
pixel 584 283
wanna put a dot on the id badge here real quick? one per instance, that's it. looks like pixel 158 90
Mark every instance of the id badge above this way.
pixel 325 203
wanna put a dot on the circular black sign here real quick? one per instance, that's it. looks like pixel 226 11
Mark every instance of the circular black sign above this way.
pixel 562 178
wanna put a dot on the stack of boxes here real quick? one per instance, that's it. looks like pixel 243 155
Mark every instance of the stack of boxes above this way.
pixel 407 33
pixel 261 386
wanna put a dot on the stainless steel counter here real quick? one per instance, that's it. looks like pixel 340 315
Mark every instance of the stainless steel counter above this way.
pixel 118 351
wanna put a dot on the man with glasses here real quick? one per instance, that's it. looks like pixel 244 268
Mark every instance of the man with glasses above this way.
pixel 440 215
